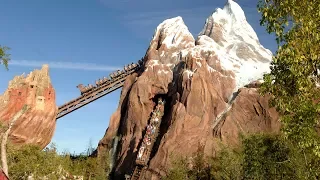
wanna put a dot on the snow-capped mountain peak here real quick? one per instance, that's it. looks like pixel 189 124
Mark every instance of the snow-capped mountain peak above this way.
pixel 226 35
pixel 237 43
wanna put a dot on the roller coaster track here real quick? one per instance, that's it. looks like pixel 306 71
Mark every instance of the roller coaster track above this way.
pixel 144 158
pixel 107 87
pixel 96 93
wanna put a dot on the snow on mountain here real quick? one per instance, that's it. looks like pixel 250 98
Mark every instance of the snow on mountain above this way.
pixel 198 80
pixel 237 44
pixel 226 35
pixel 174 30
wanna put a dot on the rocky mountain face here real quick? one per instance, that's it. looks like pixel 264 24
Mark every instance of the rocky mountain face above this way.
pixel 37 125
pixel 210 87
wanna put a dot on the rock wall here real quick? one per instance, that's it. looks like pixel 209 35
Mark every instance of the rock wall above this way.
pixel 37 125
pixel 203 82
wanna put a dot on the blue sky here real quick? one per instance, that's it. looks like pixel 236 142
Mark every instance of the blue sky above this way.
pixel 91 38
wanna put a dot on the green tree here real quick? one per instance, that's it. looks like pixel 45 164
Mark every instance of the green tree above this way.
pixel 295 67
pixel 268 156
pixel 4 56
pixel 179 170
pixel 221 166
pixel 201 167
pixel 260 157
pixel 29 160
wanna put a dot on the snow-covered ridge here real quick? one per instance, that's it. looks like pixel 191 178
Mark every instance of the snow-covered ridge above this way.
pixel 226 34
pixel 174 29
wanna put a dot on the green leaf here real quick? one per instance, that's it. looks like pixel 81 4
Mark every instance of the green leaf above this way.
pixel 293 67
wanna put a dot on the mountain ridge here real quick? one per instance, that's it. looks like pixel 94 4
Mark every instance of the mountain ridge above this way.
pixel 203 82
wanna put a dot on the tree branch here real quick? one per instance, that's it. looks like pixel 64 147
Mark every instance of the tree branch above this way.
pixel 5 139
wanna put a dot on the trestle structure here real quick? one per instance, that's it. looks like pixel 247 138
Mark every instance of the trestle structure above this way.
pixel 102 88
pixel 105 86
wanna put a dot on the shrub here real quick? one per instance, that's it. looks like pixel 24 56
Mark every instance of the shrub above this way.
pixel 189 168
pixel 227 164
pixel 273 157
pixel 261 157
pixel 31 160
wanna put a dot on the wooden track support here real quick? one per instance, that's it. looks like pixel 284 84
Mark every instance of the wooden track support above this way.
pixel 99 91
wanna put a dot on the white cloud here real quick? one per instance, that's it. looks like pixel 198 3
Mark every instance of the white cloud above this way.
pixel 65 65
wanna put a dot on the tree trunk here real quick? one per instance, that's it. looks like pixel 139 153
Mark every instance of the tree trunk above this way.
pixel 5 139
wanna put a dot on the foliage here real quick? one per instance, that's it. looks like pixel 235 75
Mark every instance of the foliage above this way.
pixel 179 170
pixel 31 160
pixel 195 167
pixel 4 56
pixel 295 67
pixel 200 167
pixel 221 166
pixel 274 157
pixel 89 167
pixel 262 157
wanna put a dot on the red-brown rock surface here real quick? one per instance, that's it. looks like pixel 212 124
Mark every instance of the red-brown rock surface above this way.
pixel 202 82
pixel 37 125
